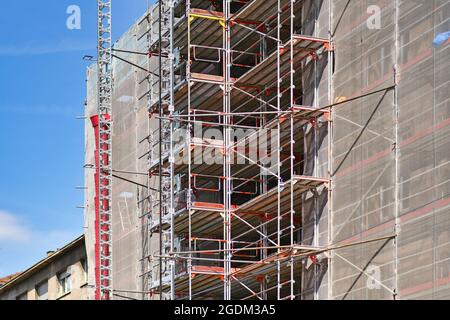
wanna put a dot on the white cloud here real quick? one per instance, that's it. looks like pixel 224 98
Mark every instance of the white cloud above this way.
pixel 13 228
pixel 21 245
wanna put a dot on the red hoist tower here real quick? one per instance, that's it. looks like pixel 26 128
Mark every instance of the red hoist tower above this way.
pixel 103 271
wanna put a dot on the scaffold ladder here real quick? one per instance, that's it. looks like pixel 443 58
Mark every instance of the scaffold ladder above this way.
pixel 166 99
pixel 161 99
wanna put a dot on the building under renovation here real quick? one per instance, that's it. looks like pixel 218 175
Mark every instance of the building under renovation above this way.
pixel 276 149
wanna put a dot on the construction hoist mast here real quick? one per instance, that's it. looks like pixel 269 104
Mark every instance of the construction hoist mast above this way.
pixel 104 286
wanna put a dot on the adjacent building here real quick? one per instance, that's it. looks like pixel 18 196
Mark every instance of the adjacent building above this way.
pixel 7 279
pixel 62 275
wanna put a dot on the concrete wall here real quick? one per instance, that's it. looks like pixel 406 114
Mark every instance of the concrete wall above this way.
pixel 71 259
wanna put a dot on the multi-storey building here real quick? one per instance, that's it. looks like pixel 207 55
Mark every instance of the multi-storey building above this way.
pixel 277 149
pixel 62 275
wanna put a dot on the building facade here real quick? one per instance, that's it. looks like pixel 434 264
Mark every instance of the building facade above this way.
pixel 62 275
pixel 357 205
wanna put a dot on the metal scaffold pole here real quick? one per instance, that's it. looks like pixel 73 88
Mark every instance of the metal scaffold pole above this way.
pixel 292 147
pixel 228 152
pixel 160 128
pixel 105 87
pixel 189 151
pixel 330 96
pixel 147 202
pixel 172 155
pixel 278 170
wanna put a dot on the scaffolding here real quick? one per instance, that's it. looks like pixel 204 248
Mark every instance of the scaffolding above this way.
pixel 267 166
pixel 228 230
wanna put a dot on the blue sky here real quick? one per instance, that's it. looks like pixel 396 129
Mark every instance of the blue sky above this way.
pixel 42 90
